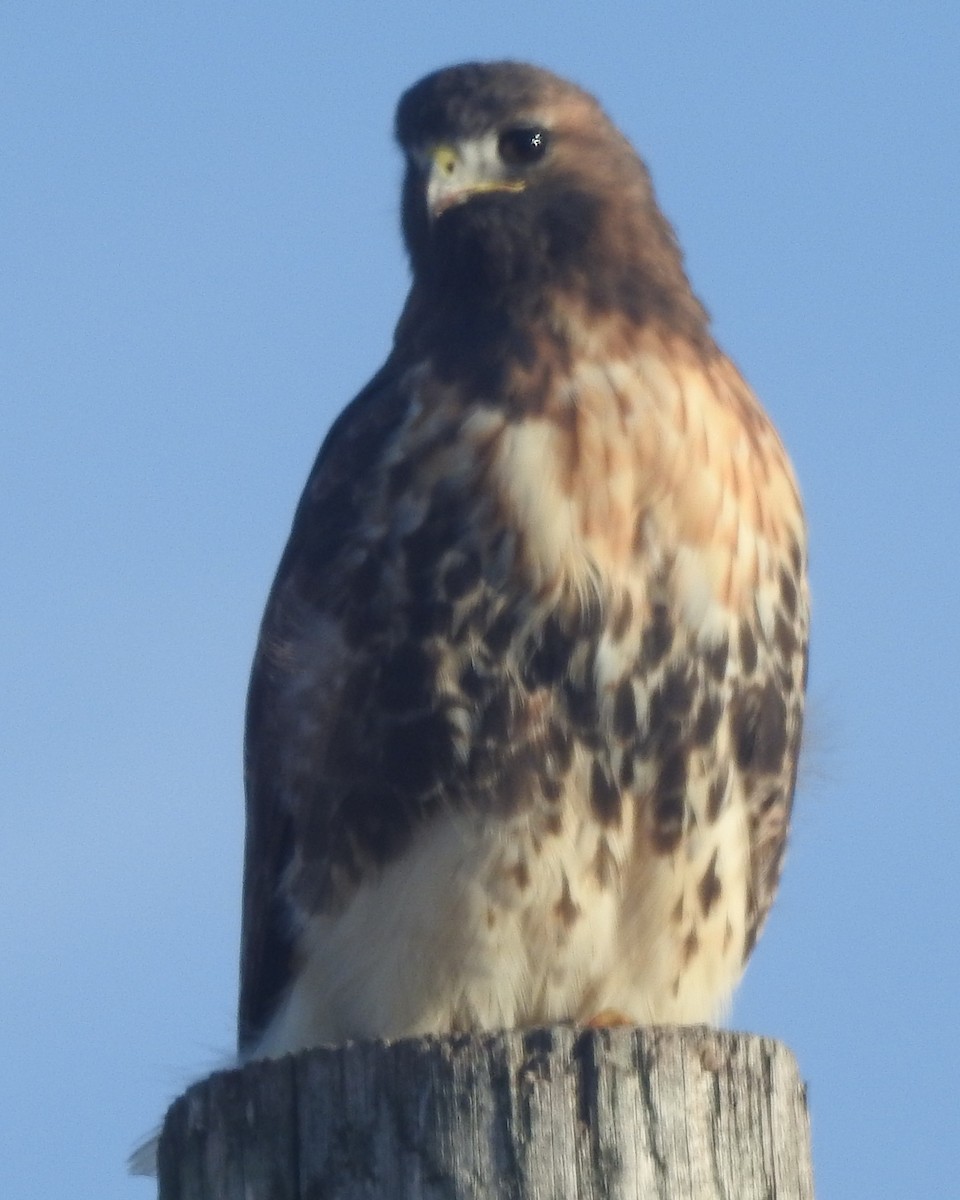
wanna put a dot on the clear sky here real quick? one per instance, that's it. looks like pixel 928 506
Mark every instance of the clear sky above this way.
pixel 199 266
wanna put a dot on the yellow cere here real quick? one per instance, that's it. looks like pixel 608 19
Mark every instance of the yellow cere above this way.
pixel 444 157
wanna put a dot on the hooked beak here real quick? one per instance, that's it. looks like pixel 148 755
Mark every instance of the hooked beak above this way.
pixel 451 180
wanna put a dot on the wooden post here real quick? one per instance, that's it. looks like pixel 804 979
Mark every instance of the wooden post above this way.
pixel 549 1114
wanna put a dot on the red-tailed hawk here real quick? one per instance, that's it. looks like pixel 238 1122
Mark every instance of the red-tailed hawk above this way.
pixel 526 707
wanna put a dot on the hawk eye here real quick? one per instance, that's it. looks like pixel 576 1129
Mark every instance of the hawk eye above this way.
pixel 522 146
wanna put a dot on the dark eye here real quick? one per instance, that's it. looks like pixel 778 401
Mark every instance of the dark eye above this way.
pixel 523 146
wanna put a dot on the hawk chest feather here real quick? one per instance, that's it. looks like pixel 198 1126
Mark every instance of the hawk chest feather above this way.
pixel 555 726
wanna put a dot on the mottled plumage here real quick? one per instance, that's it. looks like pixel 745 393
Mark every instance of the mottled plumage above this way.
pixel 525 712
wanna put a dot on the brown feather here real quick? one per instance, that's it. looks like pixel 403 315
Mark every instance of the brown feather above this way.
pixel 543 610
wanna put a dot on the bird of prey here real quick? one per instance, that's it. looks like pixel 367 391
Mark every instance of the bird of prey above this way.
pixel 526 707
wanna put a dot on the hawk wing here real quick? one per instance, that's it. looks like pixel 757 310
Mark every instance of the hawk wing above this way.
pixel 326 523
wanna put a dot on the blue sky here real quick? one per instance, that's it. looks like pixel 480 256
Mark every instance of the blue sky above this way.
pixel 200 264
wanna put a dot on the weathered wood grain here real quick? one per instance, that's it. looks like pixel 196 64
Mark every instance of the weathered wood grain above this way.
pixel 551 1114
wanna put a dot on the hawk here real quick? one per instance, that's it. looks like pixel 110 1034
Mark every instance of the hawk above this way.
pixel 526 706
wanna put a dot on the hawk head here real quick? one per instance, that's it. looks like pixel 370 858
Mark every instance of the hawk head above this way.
pixel 520 193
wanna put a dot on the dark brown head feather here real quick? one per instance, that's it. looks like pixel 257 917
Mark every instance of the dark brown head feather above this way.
pixel 469 99
pixel 585 232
